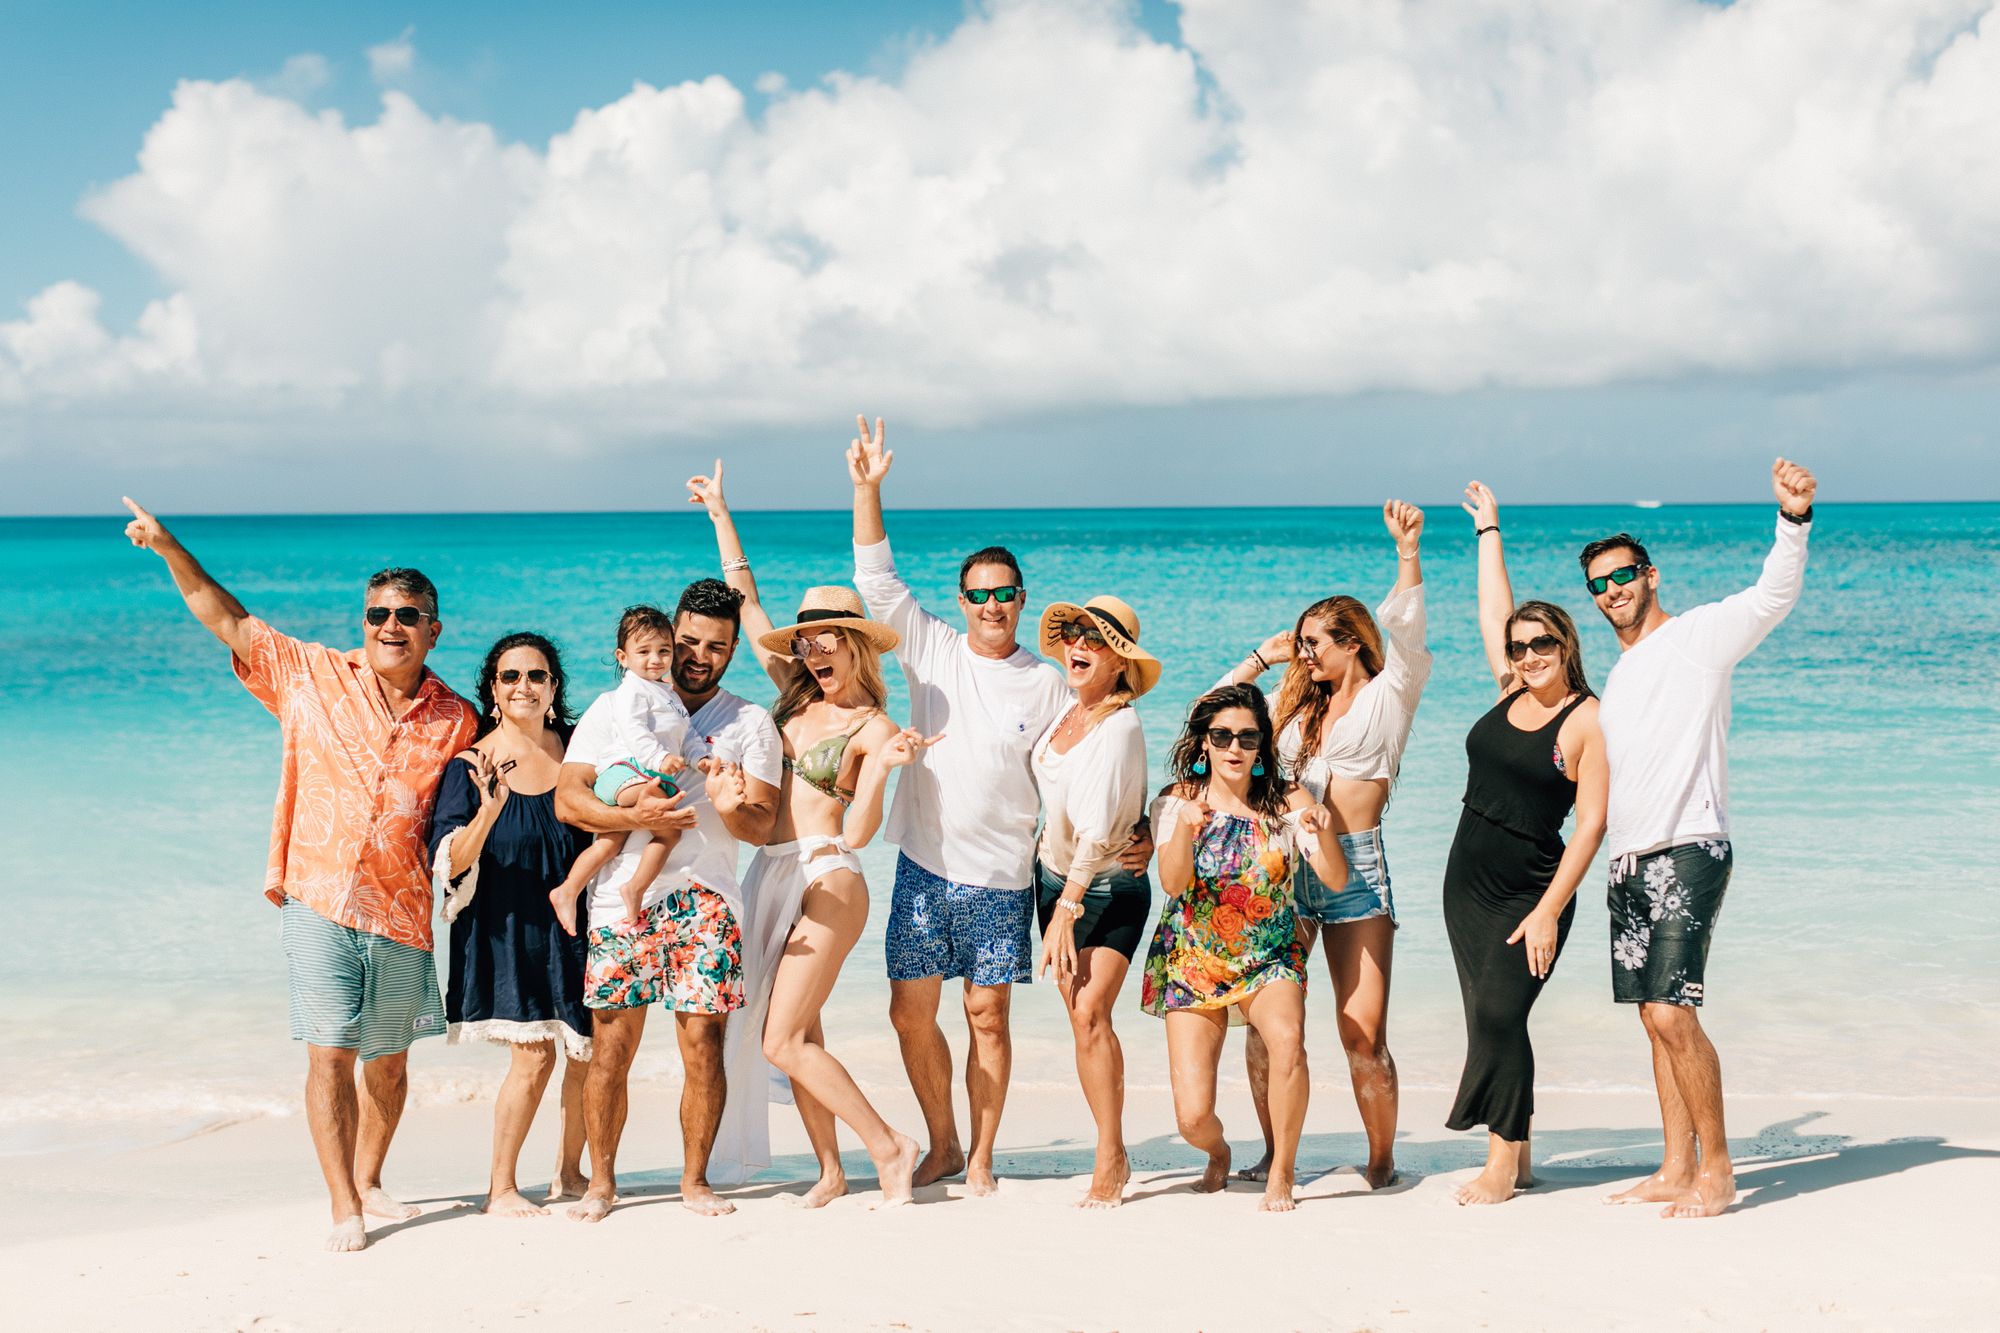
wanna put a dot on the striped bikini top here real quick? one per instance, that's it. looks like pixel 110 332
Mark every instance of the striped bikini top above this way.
pixel 819 765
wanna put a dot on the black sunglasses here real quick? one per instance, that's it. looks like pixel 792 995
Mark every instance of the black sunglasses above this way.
pixel 1621 576
pixel 1079 631
pixel 405 615
pixel 1002 595
pixel 1222 738
pixel 1542 645
pixel 535 675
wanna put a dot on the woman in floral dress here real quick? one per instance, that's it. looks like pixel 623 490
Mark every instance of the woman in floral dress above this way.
pixel 1228 949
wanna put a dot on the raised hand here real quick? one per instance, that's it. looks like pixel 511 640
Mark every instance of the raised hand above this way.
pixel 867 460
pixel 707 492
pixel 145 532
pixel 725 785
pixel 1278 648
pixel 1792 484
pixel 489 780
pixel 1479 503
pixel 904 747
pixel 1405 523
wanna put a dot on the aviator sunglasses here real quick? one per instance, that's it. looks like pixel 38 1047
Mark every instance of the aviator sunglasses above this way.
pixel 405 615
pixel 1079 631
pixel 822 643
pixel 1003 594
pixel 1621 576
pixel 535 675
pixel 1222 738
pixel 1542 645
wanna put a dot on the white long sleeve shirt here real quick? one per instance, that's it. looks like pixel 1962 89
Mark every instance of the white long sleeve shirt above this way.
pixel 651 720
pixel 1665 709
pixel 1092 795
pixel 965 810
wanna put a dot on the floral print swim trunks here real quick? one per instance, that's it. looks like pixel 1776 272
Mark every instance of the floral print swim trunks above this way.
pixel 1663 910
pixel 688 952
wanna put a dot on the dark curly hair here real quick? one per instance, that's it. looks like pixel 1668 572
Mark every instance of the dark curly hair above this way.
pixel 565 720
pixel 1269 792
pixel 713 599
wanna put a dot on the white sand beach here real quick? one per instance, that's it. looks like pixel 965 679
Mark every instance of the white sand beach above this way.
pixel 1855 1214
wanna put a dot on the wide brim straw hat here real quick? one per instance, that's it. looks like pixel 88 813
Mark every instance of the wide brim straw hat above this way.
pixel 1119 623
pixel 831 608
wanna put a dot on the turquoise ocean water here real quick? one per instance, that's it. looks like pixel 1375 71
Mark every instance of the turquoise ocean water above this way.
pixel 143 991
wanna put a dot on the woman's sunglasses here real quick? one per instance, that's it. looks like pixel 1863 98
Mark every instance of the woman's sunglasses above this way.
pixel 1542 645
pixel 535 675
pixel 1621 576
pixel 1079 631
pixel 822 644
pixel 1002 595
pixel 1222 738
pixel 405 615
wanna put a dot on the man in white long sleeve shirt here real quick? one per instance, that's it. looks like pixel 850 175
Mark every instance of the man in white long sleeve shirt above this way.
pixel 1665 714
pixel 964 817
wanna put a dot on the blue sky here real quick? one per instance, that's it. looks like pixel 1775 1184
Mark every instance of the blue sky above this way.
pixel 1600 256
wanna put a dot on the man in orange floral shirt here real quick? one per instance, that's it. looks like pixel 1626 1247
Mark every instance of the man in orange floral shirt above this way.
pixel 366 735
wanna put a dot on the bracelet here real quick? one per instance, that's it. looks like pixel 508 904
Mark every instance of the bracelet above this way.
pixel 1490 527
pixel 1411 556
pixel 734 563
pixel 1801 519
pixel 1257 656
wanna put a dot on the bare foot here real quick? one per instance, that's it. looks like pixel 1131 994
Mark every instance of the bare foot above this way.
pixel 563 899
pixel 1278 1196
pixel 376 1202
pixel 1488 1186
pixel 1712 1193
pixel 568 1187
pixel 348 1234
pixel 979 1181
pixel 898 1173
pixel 1656 1188
pixel 1217 1174
pixel 1258 1169
pixel 824 1191
pixel 1107 1183
pixel 937 1164
pixel 1380 1175
pixel 593 1207
pixel 509 1203
pixel 697 1197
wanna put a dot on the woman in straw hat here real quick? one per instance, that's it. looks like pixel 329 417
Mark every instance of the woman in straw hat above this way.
pixel 808 900
pixel 1091 768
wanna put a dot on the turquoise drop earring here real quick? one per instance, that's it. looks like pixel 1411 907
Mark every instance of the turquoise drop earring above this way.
pixel 1200 767
pixel 1257 769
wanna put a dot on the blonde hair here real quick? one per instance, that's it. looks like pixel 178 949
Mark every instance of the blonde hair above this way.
pixel 1121 696
pixel 802 688
pixel 1306 700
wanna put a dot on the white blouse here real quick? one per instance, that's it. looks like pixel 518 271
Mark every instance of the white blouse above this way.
pixel 1091 796
pixel 1367 742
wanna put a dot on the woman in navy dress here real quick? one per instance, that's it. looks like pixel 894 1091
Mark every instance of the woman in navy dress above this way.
pixel 516 976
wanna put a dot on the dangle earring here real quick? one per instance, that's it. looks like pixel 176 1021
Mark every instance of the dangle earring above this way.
pixel 1200 766
pixel 496 712
pixel 551 715
pixel 1257 769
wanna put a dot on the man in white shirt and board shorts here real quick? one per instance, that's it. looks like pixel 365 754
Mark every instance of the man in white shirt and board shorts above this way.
pixel 1665 714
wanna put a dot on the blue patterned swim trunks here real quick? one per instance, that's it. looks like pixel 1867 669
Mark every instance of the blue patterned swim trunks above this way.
pixel 938 928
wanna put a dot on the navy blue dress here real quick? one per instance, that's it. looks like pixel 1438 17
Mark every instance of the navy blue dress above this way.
pixel 515 974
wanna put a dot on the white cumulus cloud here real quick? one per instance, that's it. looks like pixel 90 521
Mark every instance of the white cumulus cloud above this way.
pixel 392 61
pixel 1049 208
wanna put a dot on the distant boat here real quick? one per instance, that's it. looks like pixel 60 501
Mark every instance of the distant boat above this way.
pixel 1646 504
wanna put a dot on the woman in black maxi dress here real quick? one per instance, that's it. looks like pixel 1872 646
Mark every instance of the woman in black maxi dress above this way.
pixel 1510 883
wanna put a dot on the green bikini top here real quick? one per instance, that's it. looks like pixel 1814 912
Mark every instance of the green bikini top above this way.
pixel 819 766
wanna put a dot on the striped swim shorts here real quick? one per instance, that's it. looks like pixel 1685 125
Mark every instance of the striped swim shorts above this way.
pixel 357 991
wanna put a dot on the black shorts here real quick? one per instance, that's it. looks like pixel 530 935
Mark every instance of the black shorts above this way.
pixel 1663 911
pixel 1117 908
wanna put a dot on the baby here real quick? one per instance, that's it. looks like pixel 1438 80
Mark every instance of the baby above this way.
pixel 652 729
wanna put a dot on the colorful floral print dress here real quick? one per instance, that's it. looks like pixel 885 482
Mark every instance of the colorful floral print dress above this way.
pixel 1232 929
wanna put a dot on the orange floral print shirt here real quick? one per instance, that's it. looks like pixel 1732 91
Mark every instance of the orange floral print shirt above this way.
pixel 355 792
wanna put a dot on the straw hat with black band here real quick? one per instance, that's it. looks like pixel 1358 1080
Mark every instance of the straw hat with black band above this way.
pixel 1119 624
pixel 831 608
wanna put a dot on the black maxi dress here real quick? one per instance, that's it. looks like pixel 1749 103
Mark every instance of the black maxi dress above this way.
pixel 1508 846
pixel 516 975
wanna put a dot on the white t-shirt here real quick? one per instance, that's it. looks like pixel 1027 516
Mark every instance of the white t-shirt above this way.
pixel 1665 709
pixel 1091 796
pixel 966 808
pixel 731 727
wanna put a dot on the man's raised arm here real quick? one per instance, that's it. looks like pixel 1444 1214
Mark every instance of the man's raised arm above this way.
pixel 213 605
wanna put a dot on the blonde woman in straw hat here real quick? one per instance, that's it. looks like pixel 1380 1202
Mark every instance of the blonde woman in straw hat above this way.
pixel 807 898
pixel 1091 768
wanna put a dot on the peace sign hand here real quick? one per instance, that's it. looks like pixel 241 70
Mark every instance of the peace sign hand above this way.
pixel 144 531
pixel 1479 503
pixel 707 492
pixel 867 460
